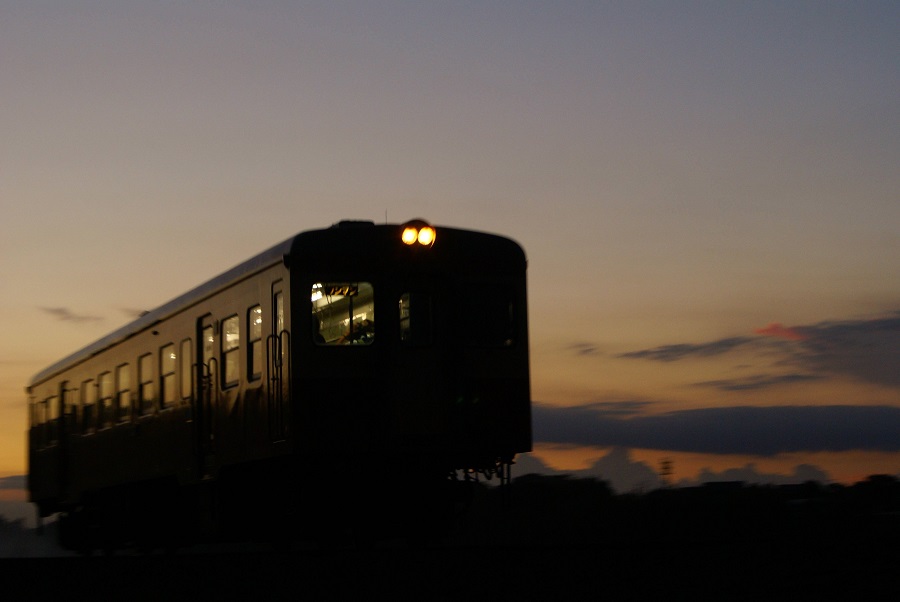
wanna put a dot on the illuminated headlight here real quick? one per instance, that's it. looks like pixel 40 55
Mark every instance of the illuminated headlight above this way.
pixel 426 236
pixel 418 231
pixel 410 235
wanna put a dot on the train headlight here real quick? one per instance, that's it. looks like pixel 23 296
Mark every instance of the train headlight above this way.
pixel 418 231
pixel 410 235
pixel 426 236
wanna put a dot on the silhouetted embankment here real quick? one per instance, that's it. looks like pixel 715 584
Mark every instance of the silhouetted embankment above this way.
pixel 545 537
pixel 562 511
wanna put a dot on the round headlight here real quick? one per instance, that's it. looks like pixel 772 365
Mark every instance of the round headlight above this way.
pixel 426 236
pixel 410 235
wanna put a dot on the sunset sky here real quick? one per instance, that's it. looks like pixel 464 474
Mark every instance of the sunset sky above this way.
pixel 708 194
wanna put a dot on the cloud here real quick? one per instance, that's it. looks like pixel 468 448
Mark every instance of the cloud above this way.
pixel 626 475
pixel 620 409
pixel 66 315
pixel 583 348
pixel 758 381
pixel 866 349
pixel 761 431
pixel 777 330
pixel 749 474
pixel 671 353
pixel 14 482
pixel 621 472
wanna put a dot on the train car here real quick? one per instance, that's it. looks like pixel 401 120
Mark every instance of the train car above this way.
pixel 267 401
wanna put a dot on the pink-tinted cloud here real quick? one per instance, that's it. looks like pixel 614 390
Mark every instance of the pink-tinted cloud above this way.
pixel 780 331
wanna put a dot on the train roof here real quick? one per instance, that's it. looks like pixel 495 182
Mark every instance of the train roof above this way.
pixel 255 264
pixel 247 268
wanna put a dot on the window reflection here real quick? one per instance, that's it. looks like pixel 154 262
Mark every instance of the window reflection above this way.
pixel 231 340
pixel 167 363
pixel 146 394
pixel 123 391
pixel 343 313
pixel 254 340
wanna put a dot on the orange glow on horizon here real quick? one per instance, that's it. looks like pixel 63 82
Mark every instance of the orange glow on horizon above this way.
pixel 842 467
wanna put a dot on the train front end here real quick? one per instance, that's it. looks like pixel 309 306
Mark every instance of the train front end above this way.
pixel 413 349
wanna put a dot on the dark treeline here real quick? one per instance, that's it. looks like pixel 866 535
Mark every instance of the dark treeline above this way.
pixel 561 510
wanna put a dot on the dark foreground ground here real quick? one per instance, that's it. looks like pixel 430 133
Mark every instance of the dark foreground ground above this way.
pixel 553 539
pixel 675 571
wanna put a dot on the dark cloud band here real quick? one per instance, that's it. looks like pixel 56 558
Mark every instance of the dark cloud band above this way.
pixel 66 315
pixel 866 350
pixel 762 431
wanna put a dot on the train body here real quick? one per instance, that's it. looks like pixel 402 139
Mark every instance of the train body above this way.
pixel 267 397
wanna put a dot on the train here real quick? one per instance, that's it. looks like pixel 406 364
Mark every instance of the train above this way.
pixel 266 403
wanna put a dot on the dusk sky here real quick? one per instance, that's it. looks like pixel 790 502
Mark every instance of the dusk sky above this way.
pixel 708 194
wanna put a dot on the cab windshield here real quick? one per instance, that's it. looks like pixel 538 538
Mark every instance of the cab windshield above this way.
pixel 343 313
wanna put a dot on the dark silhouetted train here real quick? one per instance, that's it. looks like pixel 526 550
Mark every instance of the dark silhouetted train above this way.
pixel 349 378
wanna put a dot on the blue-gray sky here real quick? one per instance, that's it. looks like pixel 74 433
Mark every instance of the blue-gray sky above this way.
pixel 692 182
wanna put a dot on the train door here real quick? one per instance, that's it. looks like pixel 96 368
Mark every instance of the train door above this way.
pixel 278 351
pixel 207 391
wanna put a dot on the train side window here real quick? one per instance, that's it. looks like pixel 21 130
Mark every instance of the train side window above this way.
pixel 106 399
pixel 231 346
pixel 187 375
pixel 343 313
pixel 416 325
pixel 279 313
pixel 167 363
pixel 51 406
pixel 123 392
pixel 88 406
pixel 146 394
pixel 283 340
pixel 209 345
pixel 254 342
pixel 70 407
